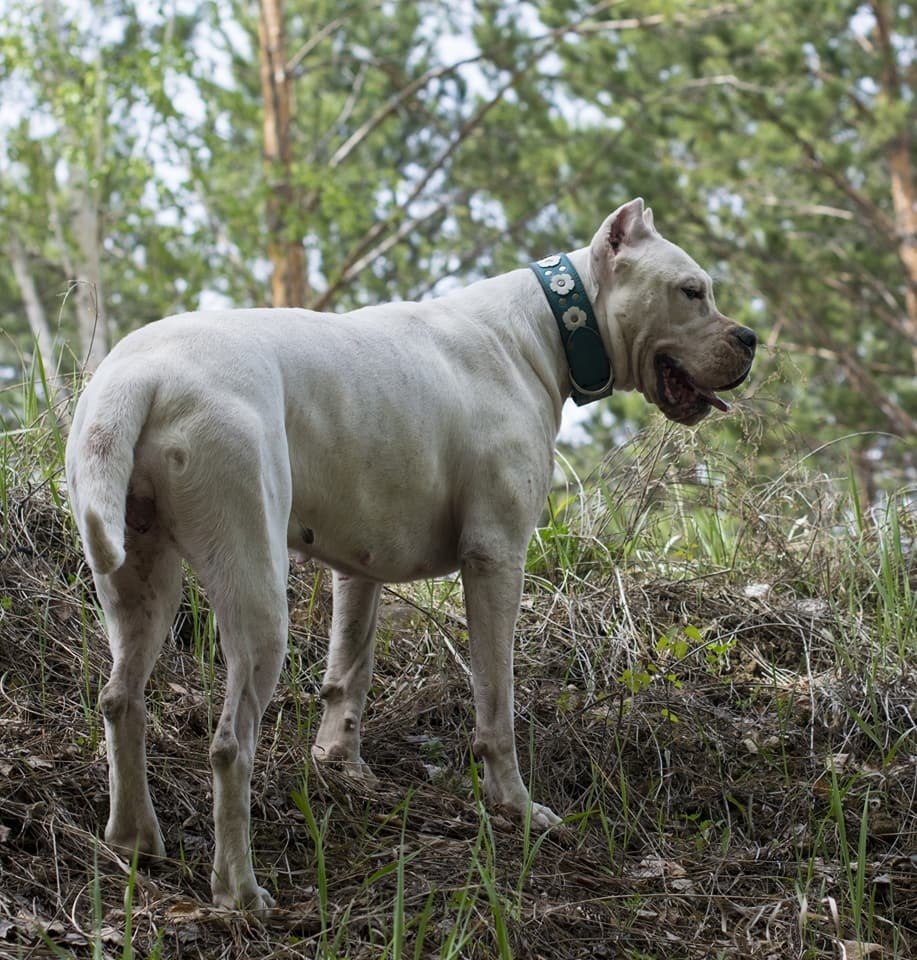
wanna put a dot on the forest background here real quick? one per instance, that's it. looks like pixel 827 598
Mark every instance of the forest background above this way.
pixel 160 157
pixel 716 651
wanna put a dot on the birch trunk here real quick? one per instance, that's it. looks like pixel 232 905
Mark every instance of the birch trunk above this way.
pixel 904 195
pixel 285 249
pixel 89 293
pixel 35 312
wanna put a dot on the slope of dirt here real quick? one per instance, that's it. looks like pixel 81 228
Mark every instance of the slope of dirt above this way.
pixel 742 798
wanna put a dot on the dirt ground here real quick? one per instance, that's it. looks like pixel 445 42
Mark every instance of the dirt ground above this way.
pixel 743 798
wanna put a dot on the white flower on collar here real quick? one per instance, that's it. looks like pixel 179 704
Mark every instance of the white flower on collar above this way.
pixel 562 283
pixel 573 318
pixel 549 262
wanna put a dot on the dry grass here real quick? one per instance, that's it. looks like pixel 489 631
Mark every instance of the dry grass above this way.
pixel 739 773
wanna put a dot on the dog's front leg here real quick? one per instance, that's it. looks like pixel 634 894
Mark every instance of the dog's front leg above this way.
pixel 348 675
pixel 493 590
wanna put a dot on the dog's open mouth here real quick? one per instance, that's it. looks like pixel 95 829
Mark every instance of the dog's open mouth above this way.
pixel 681 398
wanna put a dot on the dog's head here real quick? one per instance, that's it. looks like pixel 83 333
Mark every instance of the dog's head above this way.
pixel 668 339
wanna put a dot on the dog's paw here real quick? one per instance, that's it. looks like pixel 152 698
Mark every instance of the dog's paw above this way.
pixel 146 842
pixel 357 769
pixel 260 904
pixel 543 818
pixel 361 771
pixel 256 901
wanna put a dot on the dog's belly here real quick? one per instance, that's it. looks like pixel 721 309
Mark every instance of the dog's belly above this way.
pixel 411 552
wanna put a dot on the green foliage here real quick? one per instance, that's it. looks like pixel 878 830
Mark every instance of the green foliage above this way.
pixel 759 137
pixel 436 143
pixel 85 171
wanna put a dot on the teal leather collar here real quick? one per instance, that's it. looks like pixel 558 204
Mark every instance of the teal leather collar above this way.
pixel 591 372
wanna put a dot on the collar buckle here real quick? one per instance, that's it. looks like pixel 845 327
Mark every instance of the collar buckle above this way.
pixel 604 391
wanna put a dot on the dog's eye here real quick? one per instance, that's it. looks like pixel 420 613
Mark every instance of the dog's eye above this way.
pixel 693 293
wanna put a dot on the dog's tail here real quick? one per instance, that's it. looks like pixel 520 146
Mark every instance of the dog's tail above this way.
pixel 100 459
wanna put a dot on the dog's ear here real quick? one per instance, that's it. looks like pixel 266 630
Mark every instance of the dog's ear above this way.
pixel 627 226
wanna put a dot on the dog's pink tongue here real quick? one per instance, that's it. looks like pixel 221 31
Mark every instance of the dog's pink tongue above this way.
pixel 714 400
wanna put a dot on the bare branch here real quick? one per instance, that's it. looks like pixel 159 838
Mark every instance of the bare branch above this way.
pixel 387 109
pixel 872 212
pixel 313 41
pixel 835 356
pixel 808 209
pixel 659 19
pixel 406 228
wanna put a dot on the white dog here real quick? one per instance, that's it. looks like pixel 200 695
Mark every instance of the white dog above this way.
pixel 396 442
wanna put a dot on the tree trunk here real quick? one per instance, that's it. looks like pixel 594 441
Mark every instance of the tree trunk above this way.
pixel 35 312
pixel 904 195
pixel 93 321
pixel 285 249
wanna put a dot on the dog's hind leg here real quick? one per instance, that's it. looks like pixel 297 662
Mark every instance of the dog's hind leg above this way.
pixel 349 673
pixel 249 599
pixel 139 600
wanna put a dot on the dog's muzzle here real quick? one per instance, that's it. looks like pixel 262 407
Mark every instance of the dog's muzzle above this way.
pixel 683 399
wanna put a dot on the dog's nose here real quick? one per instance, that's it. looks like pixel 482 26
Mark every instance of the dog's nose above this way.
pixel 746 337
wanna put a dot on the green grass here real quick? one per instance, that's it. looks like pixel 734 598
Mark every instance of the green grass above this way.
pixel 714 685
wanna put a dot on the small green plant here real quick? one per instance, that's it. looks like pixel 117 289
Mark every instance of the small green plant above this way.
pixel 88 694
pixel 483 856
pixel 204 644
pixel 637 679
pixel 854 866
pixel 318 830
